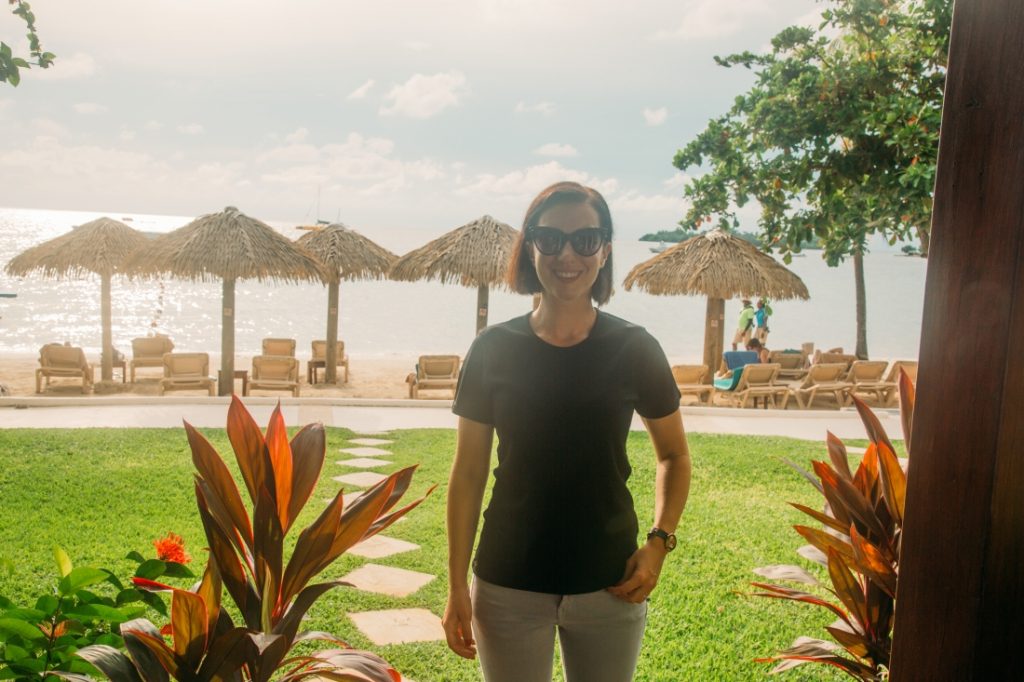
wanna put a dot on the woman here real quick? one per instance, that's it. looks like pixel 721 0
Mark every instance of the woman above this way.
pixel 559 549
pixel 763 354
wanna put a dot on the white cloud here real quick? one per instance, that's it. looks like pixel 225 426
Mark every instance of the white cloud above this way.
pixel 555 149
pixel 712 19
pixel 299 135
pixel 546 108
pixel 127 135
pixel 360 92
pixel 655 117
pixel 526 183
pixel 634 200
pixel 677 181
pixel 89 108
pixel 153 125
pixel 48 128
pixel 425 96
pixel 78 65
pixel 191 129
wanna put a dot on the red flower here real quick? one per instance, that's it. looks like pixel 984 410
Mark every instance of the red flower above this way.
pixel 171 548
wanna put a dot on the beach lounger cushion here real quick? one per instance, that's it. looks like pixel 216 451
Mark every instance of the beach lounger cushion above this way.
pixel 274 373
pixel 434 372
pixel 187 372
pixel 59 361
pixel 148 351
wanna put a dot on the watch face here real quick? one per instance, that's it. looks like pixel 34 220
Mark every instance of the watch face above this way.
pixel 670 542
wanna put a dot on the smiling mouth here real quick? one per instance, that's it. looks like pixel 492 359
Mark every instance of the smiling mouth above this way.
pixel 567 276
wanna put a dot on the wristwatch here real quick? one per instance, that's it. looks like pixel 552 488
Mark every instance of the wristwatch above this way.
pixel 668 538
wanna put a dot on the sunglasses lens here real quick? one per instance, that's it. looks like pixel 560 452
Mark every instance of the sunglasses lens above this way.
pixel 586 242
pixel 549 242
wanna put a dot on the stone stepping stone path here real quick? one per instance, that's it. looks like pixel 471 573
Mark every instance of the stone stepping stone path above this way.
pixel 365 452
pixel 390 626
pixel 370 441
pixel 399 626
pixel 381 546
pixel 394 582
pixel 363 479
pixel 364 462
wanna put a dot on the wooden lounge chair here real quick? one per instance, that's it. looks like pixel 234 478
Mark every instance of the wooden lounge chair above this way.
pixel 274 373
pixel 187 372
pixel 319 360
pixel 148 351
pixel 690 380
pixel 792 364
pixel 893 379
pixel 760 381
pixel 279 347
pixel 58 360
pixel 822 379
pixel 734 359
pixel 831 358
pixel 434 372
pixel 865 379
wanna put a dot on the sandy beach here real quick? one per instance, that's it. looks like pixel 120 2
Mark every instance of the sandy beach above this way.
pixel 369 377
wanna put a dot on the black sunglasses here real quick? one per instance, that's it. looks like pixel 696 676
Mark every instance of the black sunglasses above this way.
pixel 550 241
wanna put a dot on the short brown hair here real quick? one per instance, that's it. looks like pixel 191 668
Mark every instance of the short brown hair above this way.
pixel 522 276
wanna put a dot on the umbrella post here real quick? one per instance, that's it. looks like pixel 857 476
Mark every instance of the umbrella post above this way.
pixel 714 336
pixel 331 369
pixel 482 295
pixel 226 386
pixel 106 354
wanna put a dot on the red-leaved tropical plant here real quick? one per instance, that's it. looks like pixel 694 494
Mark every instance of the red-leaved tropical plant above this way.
pixel 860 547
pixel 246 558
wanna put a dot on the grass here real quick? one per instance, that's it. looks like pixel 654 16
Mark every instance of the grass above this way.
pixel 101 493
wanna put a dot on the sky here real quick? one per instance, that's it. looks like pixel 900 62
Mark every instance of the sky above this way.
pixel 381 115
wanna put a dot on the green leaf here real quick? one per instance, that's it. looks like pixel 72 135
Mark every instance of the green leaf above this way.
pixel 47 604
pixel 87 612
pixel 176 570
pixel 135 556
pixel 22 629
pixel 27 615
pixel 79 578
pixel 13 652
pixel 151 569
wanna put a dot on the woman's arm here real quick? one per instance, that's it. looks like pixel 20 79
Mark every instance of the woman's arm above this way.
pixel 465 496
pixel 672 487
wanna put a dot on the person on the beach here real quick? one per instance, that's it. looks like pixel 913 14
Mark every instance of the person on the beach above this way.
pixel 559 549
pixel 761 315
pixel 762 352
pixel 745 325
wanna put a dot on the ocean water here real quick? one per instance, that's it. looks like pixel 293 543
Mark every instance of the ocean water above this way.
pixel 383 318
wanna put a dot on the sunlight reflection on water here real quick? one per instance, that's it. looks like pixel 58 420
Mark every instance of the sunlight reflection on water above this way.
pixel 382 318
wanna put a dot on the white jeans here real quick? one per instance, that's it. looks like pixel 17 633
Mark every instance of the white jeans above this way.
pixel 599 634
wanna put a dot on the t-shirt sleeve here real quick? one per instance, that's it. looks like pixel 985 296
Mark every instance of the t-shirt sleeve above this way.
pixel 472 395
pixel 657 393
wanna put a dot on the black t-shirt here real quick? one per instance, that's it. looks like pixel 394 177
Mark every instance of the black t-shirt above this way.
pixel 561 519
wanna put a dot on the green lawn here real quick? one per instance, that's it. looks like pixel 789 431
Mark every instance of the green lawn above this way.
pixel 102 493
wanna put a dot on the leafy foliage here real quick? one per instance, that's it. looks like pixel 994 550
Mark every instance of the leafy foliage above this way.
pixel 84 608
pixel 860 548
pixel 247 559
pixel 838 137
pixel 9 64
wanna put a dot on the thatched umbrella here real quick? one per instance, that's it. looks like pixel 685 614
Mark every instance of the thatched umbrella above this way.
pixel 101 247
pixel 476 254
pixel 347 255
pixel 227 246
pixel 718 265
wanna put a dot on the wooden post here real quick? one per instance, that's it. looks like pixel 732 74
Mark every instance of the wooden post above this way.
pixel 226 385
pixel 961 584
pixel 331 357
pixel 714 336
pixel 482 294
pixel 106 352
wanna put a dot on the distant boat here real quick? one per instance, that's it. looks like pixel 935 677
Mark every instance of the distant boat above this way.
pixel 8 294
pixel 659 248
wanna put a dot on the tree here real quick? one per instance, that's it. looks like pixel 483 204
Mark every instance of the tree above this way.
pixel 837 139
pixel 9 64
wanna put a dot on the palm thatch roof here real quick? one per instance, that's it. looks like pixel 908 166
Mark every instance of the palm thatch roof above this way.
pixel 100 246
pixel 226 245
pixel 716 264
pixel 346 254
pixel 476 254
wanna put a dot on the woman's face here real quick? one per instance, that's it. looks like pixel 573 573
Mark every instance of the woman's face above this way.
pixel 567 275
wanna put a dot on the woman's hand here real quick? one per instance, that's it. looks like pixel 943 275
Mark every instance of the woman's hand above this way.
pixel 642 571
pixel 458 622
